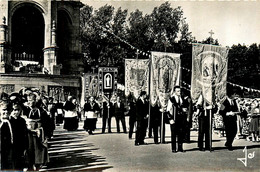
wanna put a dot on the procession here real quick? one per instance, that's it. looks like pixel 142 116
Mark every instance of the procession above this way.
pixel 158 106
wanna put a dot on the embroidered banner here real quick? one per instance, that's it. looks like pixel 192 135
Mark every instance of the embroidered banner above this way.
pixel 209 73
pixel 165 74
pixel 89 86
pixel 136 76
pixel 107 77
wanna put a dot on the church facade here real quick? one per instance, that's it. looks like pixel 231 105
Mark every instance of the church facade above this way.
pixel 40 45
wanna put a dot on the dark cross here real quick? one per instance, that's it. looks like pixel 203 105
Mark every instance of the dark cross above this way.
pixel 211 33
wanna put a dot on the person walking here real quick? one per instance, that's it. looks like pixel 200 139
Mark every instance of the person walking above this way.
pixel 91 110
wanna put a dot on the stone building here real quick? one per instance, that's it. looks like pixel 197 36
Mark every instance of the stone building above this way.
pixel 40 45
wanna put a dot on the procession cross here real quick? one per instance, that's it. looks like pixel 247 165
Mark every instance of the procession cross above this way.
pixel 211 33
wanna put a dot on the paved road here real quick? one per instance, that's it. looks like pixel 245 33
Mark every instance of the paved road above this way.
pixel 78 151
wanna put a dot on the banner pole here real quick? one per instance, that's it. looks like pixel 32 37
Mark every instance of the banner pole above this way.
pixel 162 129
pixel 180 69
pixel 149 110
pixel 210 129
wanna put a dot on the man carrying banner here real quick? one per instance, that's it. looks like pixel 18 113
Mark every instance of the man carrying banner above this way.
pixel 203 113
pixel 176 112
pixel 209 78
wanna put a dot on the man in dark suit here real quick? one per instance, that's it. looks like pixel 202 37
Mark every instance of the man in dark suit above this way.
pixel 176 108
pixel 119 114
pixel 141 118
pixel 155 121
pixel 106 117
pixel 228 110
pixel 132 115
pixel 203 112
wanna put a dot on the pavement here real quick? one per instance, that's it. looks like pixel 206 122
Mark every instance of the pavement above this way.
pixel 115 152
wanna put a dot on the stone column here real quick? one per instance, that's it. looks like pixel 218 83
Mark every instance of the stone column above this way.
pixel 50 55
pixel 3 57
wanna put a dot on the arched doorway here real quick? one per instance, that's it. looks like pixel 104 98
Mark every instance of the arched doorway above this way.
pixel 27 34
pixel 64 39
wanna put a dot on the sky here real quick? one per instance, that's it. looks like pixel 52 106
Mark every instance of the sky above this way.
pixel 233 21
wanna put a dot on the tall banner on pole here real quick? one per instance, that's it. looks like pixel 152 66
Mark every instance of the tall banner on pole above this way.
pixel 107 79
pixel 89 86
pixel 209 73
pixel 136 76
pixel 165 75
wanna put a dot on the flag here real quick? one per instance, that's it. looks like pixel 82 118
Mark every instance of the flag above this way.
pixel 209 73
pixel 165 74
pixel 136 76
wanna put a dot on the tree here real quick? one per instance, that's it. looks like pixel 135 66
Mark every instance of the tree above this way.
pixel 138 32
pixel 165 26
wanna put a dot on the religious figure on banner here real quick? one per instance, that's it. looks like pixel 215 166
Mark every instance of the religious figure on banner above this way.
pixel 136 73
pixel 165 72
pixel 166 69
pixel 93 87
pixel 209 73
pixel 137 78
pixel 108 81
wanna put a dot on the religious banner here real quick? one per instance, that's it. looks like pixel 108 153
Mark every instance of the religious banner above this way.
pixel 89 86
pixel 165 75
pixel 136 76
pixel 107 78
pixel 209 73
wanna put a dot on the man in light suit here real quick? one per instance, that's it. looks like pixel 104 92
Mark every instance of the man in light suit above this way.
pixel 176 109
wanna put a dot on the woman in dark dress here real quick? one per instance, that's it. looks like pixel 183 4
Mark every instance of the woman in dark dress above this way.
pixel 91 110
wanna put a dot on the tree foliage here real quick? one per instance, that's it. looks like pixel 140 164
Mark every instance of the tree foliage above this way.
pixel 108 33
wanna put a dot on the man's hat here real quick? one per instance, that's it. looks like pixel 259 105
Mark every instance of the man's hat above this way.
pixel 3 96
pixel 16 98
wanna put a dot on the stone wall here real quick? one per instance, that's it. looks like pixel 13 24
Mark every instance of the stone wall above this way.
pixel 14 82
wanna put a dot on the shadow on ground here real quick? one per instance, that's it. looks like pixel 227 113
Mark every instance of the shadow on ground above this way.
pixel 70 151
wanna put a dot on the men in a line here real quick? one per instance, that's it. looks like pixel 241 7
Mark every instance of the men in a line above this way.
pixel 177 109
pixel 119 114
pixel 228 110
pixel 141 118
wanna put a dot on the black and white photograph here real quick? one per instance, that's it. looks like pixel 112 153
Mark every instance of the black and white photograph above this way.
pixel 130 85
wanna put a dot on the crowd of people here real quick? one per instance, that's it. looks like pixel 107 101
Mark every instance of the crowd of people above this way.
pixel 27 122
pixel 28 119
